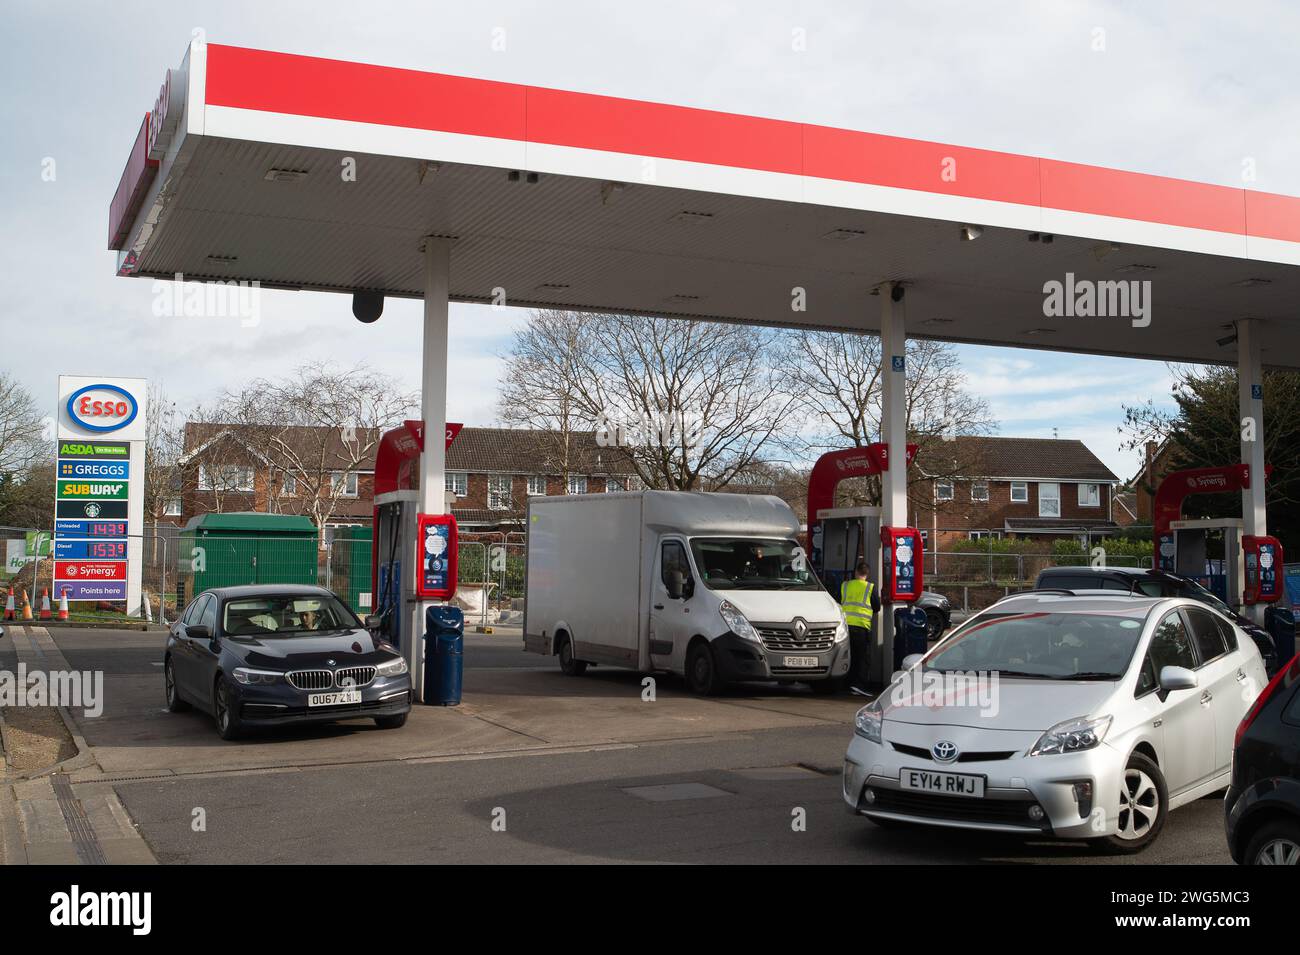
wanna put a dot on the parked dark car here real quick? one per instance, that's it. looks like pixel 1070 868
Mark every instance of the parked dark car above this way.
pixel 938 613
pixel 272 655
pixel 1155 583
pixel 1262 808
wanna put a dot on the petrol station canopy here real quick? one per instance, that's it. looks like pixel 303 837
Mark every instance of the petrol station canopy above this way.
pixel 574 200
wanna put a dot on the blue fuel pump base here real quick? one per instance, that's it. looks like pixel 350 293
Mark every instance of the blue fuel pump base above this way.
pixel 444 655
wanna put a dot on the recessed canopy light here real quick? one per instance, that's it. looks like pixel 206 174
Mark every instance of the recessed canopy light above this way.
pixel 223 259
pixel 694 216
pixel 683 297
pixel 553 286
pixel 844 235
pixel 1252 283
pixel 1039 331
pixel 1133 267
pixel 285 175
pixel 937 321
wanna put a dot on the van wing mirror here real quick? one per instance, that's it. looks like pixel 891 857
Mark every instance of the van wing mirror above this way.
pixel 676 584
pixel 374 621
pixel 1177 678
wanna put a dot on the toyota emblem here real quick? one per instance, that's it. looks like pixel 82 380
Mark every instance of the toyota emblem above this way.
pixel 944 751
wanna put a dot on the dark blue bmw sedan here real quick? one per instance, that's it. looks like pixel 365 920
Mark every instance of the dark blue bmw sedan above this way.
pixel 272 655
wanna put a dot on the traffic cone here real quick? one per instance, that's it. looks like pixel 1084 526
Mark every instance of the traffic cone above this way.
pixel 63 605
pixel 9 606
pixel 27 606
pixel 45 603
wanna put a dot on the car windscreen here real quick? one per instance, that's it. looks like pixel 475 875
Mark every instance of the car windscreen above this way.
pixel 285 615
pixel 1051 645
pixel 750 563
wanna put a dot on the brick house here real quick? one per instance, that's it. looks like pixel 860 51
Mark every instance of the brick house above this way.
pixel 491 471
pixel 1043 488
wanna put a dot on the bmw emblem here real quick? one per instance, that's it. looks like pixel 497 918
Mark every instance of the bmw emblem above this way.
pixel 944 751
pixel 332 663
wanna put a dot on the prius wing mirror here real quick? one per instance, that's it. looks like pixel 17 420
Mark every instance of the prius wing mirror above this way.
pixel 1177 678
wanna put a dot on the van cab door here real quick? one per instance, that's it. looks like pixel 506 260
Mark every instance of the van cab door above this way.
pixel 671 593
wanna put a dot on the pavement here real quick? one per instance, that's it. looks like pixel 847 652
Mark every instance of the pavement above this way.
pixel 534 766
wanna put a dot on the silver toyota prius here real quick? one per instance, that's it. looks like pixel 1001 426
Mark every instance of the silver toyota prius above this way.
pixel 1082 715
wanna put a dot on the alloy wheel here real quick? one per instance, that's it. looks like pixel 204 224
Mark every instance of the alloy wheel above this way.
pixel 1278 852
pixel 1139 804
pixel 223 708
pixel 170 678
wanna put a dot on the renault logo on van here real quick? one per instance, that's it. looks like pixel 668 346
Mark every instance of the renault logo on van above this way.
pixel 944 751
pixel 800 627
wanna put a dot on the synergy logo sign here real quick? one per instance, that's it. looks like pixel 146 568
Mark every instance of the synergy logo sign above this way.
pixel 102 407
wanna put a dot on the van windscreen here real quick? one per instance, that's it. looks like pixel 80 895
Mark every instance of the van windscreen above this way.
pixel 749 563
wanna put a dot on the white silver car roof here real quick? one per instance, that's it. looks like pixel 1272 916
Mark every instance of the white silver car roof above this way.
pixel 1084 601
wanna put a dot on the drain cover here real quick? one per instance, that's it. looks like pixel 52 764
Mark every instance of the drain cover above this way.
pixel 673 791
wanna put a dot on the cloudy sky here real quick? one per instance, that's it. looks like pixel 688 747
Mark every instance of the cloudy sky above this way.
pixel 1184 89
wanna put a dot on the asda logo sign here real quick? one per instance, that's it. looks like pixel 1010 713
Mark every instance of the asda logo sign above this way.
pixel 94 449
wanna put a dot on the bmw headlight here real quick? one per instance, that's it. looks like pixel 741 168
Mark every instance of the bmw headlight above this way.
pixel 250 677
pixel 392 667
pixel 1072 736
pixel 841 630
pixel 868 721
pixel 736 622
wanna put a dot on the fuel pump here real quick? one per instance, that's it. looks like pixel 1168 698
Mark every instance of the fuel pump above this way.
pixel 901 550
pixel 1263 563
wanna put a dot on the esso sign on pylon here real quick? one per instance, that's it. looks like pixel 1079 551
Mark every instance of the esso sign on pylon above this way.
pixel 102 407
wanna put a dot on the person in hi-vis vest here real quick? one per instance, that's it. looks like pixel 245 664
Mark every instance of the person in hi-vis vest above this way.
pixel 860 602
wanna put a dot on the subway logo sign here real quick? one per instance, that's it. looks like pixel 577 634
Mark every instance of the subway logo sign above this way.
pixel 95 449
pixel 99 490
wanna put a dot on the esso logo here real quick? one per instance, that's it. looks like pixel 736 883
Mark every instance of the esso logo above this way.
pixel 102 407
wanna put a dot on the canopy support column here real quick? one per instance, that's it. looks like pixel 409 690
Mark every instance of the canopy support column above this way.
pixel 893 433
pixel 1250 408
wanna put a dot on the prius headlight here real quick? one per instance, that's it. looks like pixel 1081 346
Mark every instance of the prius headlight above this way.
pixel 736 622
pixel 392 668
pixel 868 721
pixel 251 677
pixel 1072 736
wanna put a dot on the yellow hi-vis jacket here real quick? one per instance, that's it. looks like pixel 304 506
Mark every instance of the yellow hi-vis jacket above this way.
pixel 855 598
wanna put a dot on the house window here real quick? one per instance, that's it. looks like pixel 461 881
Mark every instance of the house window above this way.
pixel 577 484
pixel 225 477
pixel 984 535
pixel 979 491
pixel 343 483
pixel 536 486
pixel 457 483
pixel 1090 495
pixel 943 490
pixel 500 492
pixel 289 486
pixel 615 484
pixel 1049 500
pixel 172 508
pixel 1019 492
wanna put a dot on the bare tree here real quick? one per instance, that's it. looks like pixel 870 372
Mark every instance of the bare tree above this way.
pixel 540 388
pixel 22 442
pixel 316 430
pixel 689 404
pixel 838 378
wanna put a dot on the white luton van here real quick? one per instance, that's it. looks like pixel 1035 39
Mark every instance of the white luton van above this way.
pixel 713 587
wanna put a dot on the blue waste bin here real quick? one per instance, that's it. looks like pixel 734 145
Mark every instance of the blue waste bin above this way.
pixel 444 655
pixel 1280 624
pixel 911 633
